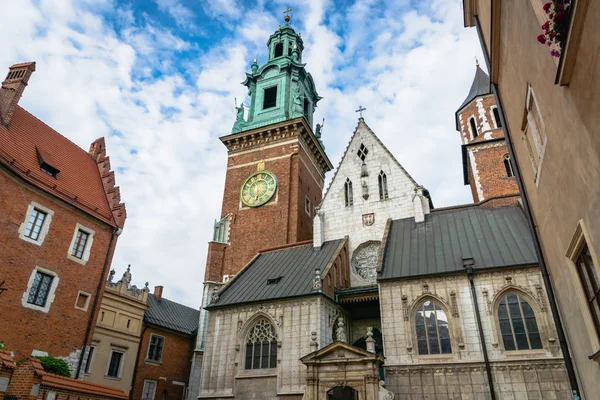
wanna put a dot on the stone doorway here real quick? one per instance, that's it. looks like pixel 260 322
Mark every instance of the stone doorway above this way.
pixel 342 393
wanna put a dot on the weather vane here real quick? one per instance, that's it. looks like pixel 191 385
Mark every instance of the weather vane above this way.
pixel 360 110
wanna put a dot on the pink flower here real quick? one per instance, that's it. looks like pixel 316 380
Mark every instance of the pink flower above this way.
pixel 551 15
pixel 541 38
pixel 547 7
pixel 548 43
pixel 546 26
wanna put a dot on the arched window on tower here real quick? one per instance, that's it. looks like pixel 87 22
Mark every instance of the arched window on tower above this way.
pixel 508 166
pixel 518 326
pixel 497 117
pixel 290 46
pixel 261 346
pixel 348 196
pixel 278 49
pixel 383 190
pixel 433 332
pixel 473 127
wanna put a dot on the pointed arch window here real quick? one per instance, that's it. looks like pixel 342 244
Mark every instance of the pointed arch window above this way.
pixel 261 346
pixel 433 332
pixel 348 196
pixel 473 127
pixel 383 189
pixel 518 326
pixel 278 49
pixel 508 166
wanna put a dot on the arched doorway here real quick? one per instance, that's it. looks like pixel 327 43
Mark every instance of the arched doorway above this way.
pixel 342 393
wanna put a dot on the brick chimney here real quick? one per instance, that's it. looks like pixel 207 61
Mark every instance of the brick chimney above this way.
pixel 158 292
pixel 12 89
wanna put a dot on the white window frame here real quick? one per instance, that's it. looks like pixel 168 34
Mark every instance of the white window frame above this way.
pixel 87 302
pixel 530 128
pixel 153 391
pixel 51 292
pixel 45 226
pixel 120 370
pixel 88 245
pixel 161 352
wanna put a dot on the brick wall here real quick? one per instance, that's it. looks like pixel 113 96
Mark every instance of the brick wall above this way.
pixel 61 330
pixel 172 371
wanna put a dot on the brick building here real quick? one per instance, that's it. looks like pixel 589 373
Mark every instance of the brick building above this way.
pixel 60 218
pixel 166 349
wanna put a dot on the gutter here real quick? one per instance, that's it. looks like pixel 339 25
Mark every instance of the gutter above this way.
pixel 564 347
pixel 113 240
pixel 468 265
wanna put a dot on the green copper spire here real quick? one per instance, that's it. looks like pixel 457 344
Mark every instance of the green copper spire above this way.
pixel 281 89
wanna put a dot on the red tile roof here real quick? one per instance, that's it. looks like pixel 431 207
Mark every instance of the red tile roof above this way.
pixel 75 385
pixel 6 360
pixel 84 180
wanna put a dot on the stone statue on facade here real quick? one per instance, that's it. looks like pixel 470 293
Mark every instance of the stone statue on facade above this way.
pixel 340 332
pixel 239 123
pixel 126 279
pixel 111 276
pixel 384 394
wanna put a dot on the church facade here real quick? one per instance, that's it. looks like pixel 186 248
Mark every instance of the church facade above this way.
pixel 369 292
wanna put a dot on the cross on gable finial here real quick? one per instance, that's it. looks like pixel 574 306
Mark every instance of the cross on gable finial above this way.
pixel 360 110
pixel 287 15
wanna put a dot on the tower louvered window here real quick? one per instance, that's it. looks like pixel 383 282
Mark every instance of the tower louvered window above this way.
pixel 348 196
pixel 383 189
pixel 261 346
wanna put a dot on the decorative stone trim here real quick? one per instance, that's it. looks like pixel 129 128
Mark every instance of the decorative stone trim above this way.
pixel 45 226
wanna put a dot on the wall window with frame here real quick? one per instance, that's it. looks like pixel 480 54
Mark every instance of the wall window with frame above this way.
pixel 496 115
pixel 518 326
pixel 307 206
pixel 261 346
pixel 534 133
pixel 473 124
pixel 590 281
pixel 383 188
pixel 36 224
pixel 348 196
pixel 155 348
pixel 89 359
pixel 81 244
pixel 433 332
pixel 270 97
pixel 40 290
pixel 149 389
pixel 115 361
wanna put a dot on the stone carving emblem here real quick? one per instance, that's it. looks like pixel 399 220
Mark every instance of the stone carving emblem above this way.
pixel 368 219
pixel 364 260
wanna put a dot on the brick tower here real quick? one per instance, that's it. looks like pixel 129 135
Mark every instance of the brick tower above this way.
pixel 487 166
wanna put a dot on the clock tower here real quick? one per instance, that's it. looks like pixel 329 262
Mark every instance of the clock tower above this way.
pixel 276 164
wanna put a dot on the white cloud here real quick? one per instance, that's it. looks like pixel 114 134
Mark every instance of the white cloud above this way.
pixel 410 69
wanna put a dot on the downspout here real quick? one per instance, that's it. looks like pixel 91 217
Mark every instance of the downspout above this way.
pixel 564 347
pixel 116 232
pixel 468 265
pixel 137 360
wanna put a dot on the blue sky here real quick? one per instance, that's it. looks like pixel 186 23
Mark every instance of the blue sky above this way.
pixel 158 79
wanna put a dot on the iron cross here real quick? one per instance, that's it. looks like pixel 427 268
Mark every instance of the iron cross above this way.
pixel 287 12
pixel 360 110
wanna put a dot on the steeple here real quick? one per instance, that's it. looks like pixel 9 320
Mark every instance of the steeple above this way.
pixel 281 89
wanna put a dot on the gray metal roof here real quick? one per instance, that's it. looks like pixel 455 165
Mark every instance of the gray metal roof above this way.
pixel 171 315
pixel 479 87
pixel 296 267
pixel 493 237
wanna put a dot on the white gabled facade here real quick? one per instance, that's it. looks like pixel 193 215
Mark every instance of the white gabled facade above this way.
pixel 334 219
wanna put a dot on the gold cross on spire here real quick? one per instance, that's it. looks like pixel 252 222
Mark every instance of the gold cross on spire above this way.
pixel 287 15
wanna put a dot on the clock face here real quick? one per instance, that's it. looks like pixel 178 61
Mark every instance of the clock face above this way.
pixel 258 189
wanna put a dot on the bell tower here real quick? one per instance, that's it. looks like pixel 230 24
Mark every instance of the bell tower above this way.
pixel 487 167
pixel 275 164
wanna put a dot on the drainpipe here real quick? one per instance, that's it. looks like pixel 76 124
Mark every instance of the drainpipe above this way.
pixel 468 265
pixel 113 240
pixel 564 347
pixel 137 361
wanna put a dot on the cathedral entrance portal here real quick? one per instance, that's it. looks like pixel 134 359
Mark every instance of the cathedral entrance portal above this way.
pixel 342 393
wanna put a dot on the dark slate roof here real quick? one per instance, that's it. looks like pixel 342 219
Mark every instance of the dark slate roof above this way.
pixel 493 237
pixel 296 267
pixel 479 87
pixel 174 316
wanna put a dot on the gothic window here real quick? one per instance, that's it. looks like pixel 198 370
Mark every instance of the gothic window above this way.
pixel 278 49
pixel 517 324
pixel 348 197
pixel 261 346
pixel 383 190
pixel 270 97
pixel 497 117
pixel 508 166
pixel 473 127
pixel 433 333
pixel 362 152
